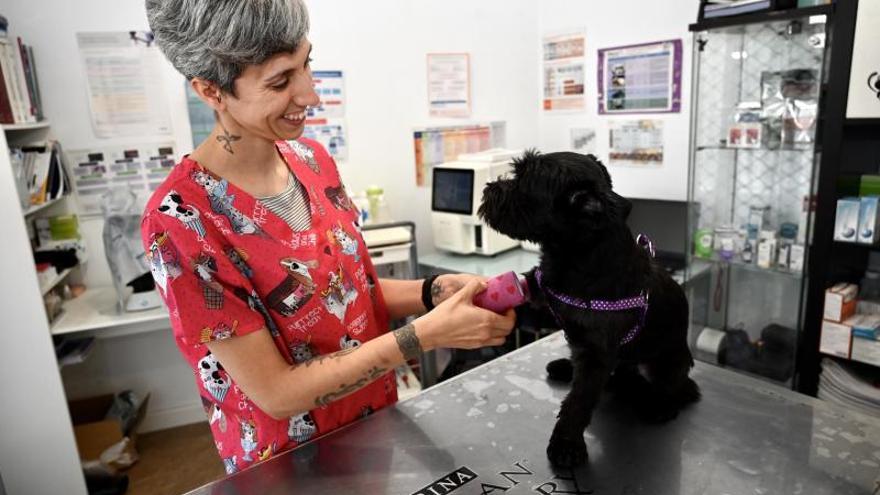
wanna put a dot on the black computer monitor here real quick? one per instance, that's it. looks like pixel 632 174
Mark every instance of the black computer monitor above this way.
pixel 666 223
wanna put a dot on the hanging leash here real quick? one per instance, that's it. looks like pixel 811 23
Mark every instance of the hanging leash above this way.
pixel 640 302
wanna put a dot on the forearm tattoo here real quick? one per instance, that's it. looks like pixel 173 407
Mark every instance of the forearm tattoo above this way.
pixel 408 342
pixel 344 389
pixel 321 359
pixel 227 139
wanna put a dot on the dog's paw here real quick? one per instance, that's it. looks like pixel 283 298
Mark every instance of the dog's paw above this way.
pixel 560 370
pixel 567 452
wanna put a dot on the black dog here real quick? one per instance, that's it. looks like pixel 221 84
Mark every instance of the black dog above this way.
pixel 564 202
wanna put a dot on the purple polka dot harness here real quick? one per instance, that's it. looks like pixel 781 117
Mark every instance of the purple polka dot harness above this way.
pixel 639 302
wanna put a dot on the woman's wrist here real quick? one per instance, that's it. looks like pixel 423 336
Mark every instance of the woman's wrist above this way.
pixel 423 329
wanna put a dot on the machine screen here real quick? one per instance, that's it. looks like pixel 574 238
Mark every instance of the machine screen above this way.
pixel 453 191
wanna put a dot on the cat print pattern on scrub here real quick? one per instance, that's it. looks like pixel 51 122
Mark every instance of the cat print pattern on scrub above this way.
pixel 173 206
pixel 214 377
pixel 164 260
pixel 205 267
pixel 305 153
pixel 301 427
pixel 301 351
pixel 339 293
pixel 248 434
pixel 338 197
pixel 295 289
pixel 222 203
pixel 346 242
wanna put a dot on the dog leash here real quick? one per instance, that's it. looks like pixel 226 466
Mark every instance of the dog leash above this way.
pixel 639 302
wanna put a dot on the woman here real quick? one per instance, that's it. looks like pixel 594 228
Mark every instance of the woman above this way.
pixel 255 248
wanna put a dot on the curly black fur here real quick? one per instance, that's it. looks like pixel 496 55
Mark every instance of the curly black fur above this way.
pixel 565 202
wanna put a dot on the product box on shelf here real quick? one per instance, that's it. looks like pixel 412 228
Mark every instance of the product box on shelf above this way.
pixel 840 302
pixel 869 185
pixel 867 327
pixel 759 217
pixel 836 338
pixel 846 223
pixel 868 220
pixel 796 258
pixel 865 350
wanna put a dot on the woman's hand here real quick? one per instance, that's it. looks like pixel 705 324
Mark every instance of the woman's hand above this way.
pixel 458 324
pixel 445 286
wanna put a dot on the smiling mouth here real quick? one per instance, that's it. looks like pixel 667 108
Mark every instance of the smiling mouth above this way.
pixel 297 118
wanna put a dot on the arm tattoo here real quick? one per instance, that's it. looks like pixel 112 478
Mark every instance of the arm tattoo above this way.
pixel 408 342
pixel 369 376
pixel 227 139
pixel 322 358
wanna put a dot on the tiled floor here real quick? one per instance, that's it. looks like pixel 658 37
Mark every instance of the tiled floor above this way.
pixel 175 461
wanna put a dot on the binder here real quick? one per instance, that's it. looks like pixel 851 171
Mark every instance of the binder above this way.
pixel 6 116
pixel 9 81
pixel 28 83
pixel 18 74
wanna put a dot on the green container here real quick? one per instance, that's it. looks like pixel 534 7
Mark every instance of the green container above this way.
pixel 703 243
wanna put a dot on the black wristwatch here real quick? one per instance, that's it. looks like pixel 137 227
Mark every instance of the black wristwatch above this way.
pixel 426 292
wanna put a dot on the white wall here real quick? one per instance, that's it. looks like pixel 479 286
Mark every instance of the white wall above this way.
pixel 381 46
pixel 618 23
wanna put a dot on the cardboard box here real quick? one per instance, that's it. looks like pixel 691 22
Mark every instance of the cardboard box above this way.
pixel 866 351
pixel 836 339
pixel 868 221
pixel 846 223
pixel 840 302
pixel 94 432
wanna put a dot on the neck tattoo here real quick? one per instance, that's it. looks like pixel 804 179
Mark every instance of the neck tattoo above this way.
pixel 227 139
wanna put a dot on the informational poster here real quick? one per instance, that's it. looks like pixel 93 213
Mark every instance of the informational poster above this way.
pixel 125 91
pixel 436 145
pixel 140 167
pixel 583 140
pixel 449 85
pixel 642 78
pixel 564 72
pixel 201 116
pixel 329 84
pixel 864 81
pixel 331 134
pixel 636 142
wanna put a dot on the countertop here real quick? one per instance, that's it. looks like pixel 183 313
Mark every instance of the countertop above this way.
pixel 486 431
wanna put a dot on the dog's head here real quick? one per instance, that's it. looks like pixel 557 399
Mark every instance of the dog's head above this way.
pixel 554 197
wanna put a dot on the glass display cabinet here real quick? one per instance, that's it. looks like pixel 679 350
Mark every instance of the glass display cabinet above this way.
pixel 754 156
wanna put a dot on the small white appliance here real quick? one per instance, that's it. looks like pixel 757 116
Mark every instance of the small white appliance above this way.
pixel 456 193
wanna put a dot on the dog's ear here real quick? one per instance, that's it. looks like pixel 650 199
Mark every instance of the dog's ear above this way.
pixel 602 168
pixel 585 202
pixel 530 157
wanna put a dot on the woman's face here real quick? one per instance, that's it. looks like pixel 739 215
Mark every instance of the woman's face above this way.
pixel 271 98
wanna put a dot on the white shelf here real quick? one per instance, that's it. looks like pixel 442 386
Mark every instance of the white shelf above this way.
pixel 26 127
pixel 96 310
pixel 35 208
pixel 44 289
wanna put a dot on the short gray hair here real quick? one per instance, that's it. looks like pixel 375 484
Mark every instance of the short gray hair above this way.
pixel 216 39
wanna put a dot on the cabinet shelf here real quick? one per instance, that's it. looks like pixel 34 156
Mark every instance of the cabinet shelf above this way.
pixel 773 150
pixel 761 17
pixel 26 127
pixel 701 265
pixel 35 208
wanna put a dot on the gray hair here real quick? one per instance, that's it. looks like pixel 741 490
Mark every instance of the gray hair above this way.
pixel 216 39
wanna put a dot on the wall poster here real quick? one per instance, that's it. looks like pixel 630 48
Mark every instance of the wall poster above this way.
pixel 564 72
pixel 635 142
pixel 642 78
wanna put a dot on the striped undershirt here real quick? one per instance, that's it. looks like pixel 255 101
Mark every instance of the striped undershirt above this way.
pixel 291 205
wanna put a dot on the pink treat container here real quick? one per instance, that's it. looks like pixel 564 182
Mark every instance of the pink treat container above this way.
pixel 505 291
